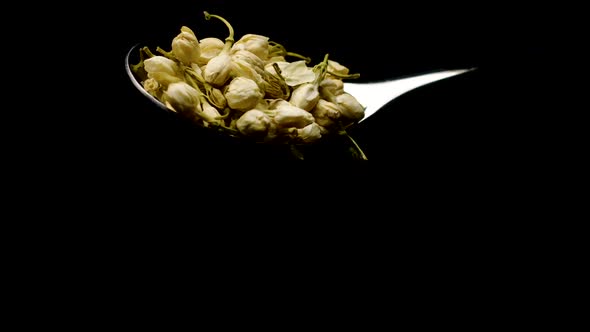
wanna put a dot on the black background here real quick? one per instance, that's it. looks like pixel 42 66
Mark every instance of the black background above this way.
pixel 476 126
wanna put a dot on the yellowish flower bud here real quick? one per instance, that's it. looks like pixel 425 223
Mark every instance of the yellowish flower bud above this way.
pixel 242 68
pixel 350 107
pixel 287 115
pixel 217 71
pixel 325 113
pixel 217 98
pixel 336 68
pixel 185 46
pixel 243 94
pixel 162 69
pixel 256 44
pixel 331 86
pixel 254 123
pixel 248 57
pixel 210 48
pixel 305 96
pixel 182 97
pixel 210 113
pixel 152 87
pixel 309 133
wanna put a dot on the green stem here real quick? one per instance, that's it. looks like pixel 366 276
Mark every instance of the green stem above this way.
pixel 229 41
pixel 165 53
pixel 357 147
pixel 351 76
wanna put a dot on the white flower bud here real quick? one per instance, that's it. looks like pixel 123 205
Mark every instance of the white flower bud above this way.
pixel 305 96
pixel 336 68
pixel 256 44
pixel 242 68
pixel 287 115
pixel 309 133
pixel 185 46
pixel 253 123
pixel 248 57
pixel 350 107
pixel 162 69
pixel 325 113
pixel 210 48
pixel 243 94
pixel 217 71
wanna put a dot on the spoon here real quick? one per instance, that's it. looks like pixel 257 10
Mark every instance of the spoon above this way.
pixel 372 95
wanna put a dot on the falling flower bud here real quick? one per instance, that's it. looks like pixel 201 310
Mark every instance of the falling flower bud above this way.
pixel 287 115
pixel 309 133
pixel 242 94
pixel 253 123
pixel 210 48
pixel 331 86
pixel 305 96
pixel 336 68
pixel 325 113
pixel 185 46
pixel 350 107
pixel 162 69
pixel 256 44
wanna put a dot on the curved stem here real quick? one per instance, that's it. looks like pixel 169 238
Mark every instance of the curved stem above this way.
pixel 229 41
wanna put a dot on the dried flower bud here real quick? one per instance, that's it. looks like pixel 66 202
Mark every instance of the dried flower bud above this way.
pixel 248 57
pixel 242 94
pixel 305 96
pixel 295 73
pixel 162 69
pixel 336 68
pixel 350 107
pixel 210 113
pixel 309 133
pixel 254 123
pixel 185 46
pixel 331 86
pixel 210 48
pixel 217 71
pixel 242 68
pixel 217 98
pixel 183 98
pixel 152 87
pixel 287 115
pixel 256 44
pixel 325 113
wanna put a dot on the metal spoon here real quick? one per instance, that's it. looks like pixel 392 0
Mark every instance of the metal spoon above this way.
pixel 372 95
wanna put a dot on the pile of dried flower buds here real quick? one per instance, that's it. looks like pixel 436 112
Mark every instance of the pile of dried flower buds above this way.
pixel 247 88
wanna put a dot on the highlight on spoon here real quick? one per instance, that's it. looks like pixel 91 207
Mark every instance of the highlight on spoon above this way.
pixel 377 94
